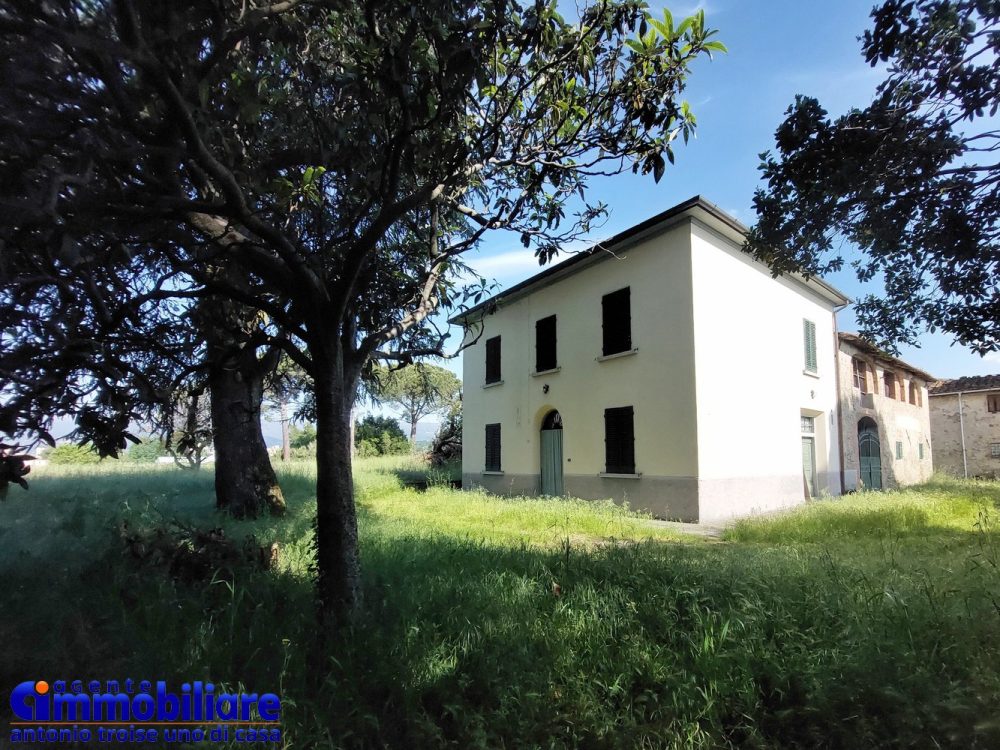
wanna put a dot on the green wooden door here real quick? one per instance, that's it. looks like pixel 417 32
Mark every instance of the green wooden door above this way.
pixel 869 454
pixel 552 461
pixel 809 465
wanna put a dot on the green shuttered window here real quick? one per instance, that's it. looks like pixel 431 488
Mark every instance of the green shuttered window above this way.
pixel 619 440
pixel 809 340
pixel 493 447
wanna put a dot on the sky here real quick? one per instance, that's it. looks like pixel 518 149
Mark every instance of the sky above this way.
pixel 777 49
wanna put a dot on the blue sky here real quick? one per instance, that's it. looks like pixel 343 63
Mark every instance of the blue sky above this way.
pixel 777 49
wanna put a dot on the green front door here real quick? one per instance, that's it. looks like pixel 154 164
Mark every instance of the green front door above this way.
pixel 809 465
pixel 869 454
pixel 552 474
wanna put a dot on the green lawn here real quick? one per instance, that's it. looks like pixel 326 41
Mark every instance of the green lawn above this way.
pixel 866 621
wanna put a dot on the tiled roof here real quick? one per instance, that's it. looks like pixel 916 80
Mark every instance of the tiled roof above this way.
pixel 968 383
pixel 868 348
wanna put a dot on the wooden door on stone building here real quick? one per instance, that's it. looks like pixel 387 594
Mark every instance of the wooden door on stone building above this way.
pixel 869 454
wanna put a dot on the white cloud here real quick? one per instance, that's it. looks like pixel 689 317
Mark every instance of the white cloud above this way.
pixel 689 10
pixel 511 262
pixel 512 266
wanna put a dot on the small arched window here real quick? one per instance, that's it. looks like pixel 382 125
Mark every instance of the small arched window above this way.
pixel 889 380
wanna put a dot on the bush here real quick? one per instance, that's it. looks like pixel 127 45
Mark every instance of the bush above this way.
pixel 68 454
pixel 385 444
pixel 367 449
pixel 380 436
pixel 302 437
pixel 146 452
pixel 304 451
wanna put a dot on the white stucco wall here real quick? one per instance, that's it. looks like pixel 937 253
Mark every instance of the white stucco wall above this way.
pixel 658 380
pixel 717 384
pixel 752 387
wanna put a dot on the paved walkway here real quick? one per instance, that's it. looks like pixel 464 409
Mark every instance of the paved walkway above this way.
pixel 704 530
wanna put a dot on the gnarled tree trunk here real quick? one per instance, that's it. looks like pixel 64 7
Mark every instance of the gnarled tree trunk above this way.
pixel 245 483
pixel 337 560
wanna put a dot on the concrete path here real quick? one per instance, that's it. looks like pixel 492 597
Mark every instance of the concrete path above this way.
pixel 704 530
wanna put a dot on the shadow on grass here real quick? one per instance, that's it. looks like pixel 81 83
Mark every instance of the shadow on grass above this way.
pixel 470 645
pixel 421 478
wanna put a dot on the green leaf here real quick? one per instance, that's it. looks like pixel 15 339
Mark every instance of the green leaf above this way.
pixel 665 30
pixel 658 168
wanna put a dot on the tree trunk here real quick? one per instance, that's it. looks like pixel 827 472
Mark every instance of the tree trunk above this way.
pixel 286 448
pixel 245 483
pixel 337 563
pixel 413 432
pixel 354 426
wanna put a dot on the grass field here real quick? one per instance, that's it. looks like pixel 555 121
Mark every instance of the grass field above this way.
pixel 869 621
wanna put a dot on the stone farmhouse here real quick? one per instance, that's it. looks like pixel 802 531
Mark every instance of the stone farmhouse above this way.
pixel 965 426
pixel 664 368
pixel 885 418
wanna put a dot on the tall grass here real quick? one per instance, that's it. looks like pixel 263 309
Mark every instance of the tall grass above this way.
pixel 861 622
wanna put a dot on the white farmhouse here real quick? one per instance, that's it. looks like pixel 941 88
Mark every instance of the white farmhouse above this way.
pixel 664 368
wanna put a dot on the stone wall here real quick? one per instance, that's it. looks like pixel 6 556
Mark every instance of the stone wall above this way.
pixel 898 420
pixel 982 431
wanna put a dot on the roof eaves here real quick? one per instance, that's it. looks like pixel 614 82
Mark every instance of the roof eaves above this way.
pixel 600 250
pixel 874 351
pixel 966 384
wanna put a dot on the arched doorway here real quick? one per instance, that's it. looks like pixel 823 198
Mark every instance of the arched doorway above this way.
pixel 869 454
pixel 552 454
